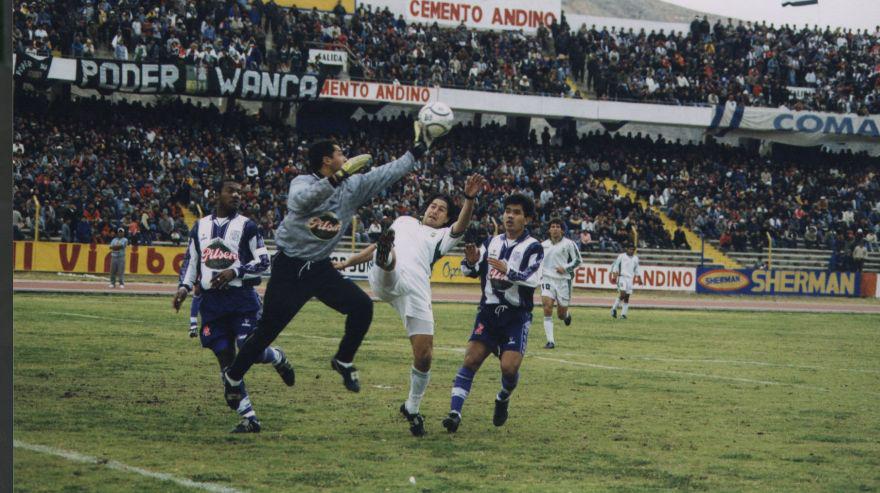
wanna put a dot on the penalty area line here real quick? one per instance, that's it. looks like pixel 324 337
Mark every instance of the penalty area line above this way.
pixel 119 466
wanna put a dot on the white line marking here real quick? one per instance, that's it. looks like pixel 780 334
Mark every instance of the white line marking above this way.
pixel 606 367
pixel 112 464
pixel 96 317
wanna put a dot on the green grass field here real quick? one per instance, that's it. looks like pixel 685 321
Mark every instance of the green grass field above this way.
pixel 668 400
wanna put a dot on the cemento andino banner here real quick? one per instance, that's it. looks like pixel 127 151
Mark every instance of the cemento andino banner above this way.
pixel 778 282
pixel 656 278
pixel 85 258
pixel 377 91
pixel 328 57
pixel 526 15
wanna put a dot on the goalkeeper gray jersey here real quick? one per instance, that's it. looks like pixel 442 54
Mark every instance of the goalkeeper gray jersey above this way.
pixel 318 213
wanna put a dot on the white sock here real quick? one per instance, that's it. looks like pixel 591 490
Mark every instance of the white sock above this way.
pixel 625 309
pixel 193 321
pixel 548 329
pixel 418 383
pixel 277 358
pixel 616 304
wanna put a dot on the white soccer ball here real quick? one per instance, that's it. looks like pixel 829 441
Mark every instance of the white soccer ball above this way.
pixel 436 119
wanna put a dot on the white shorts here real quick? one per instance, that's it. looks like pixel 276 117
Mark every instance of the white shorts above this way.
pixel 558 290
pixel 625 284
pixel 412 303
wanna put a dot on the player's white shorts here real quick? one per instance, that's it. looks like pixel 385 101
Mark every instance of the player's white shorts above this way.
pixel 625 284
pixel 413 303
pixel 559 290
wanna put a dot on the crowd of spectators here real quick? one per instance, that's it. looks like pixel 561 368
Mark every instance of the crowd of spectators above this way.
pixel 95 166
pixel 754 64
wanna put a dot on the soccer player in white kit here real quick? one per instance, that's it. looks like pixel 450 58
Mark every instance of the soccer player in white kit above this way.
pixel 561 258
pixel 624 270
pixel 401 275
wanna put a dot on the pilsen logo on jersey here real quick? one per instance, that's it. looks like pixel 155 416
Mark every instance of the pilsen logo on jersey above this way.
pixel 324 227
pixel 218 256
pixel 499 280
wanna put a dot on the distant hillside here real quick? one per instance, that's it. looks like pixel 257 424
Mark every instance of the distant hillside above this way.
pixel 648 10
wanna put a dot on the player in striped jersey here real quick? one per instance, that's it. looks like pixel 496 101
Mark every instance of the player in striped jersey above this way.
pixel 224 248
pixel 508 266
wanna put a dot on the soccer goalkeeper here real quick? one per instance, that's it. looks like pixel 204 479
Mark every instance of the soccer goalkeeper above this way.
pixel 320 206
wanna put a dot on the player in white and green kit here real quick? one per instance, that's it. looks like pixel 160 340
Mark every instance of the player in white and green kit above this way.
pixel 561 258
pixel 404 256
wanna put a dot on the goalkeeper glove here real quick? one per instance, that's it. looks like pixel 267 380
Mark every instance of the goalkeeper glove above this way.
pixel 422 141
pixel 193 330
pixel 353 166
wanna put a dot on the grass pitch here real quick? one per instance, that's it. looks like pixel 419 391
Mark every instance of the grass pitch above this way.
pixel 668 400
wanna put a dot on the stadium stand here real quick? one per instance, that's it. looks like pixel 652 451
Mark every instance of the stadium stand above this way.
pixel 757 65
pixel 91 177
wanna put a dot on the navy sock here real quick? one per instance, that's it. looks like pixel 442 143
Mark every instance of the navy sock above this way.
pixel 461 386
pixel 507 386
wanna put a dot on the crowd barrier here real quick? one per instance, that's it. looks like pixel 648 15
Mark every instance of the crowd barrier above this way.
pixel 166 260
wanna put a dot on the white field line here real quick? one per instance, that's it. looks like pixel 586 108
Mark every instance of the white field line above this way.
pixel 602 367
pixel 119 466
pixel 95 317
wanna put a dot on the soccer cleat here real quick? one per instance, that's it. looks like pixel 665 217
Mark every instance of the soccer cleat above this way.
pixel 111 286
pixel 122 286
pixel 416 421
pixel 247 425
pixel 623 317
pixel 614 313
pixel 193 330
pixel 349 375
pixel 550 345
pixel 232 393
pixel 500 416
pixel 285 369
pixel 567 319
pixel 383 247
pixel 452 422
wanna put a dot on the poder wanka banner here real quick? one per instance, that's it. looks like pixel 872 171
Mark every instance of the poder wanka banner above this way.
pixel 94 259
pixel 655 278
pixel 527 15
pixel 778 282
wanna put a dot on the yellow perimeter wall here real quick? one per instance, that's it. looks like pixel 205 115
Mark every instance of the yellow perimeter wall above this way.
pixel 157 260
pixel 84 258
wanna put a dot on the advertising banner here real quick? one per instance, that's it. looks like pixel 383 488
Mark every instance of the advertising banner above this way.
pixel 376 91
pixel 327 5
pixel 778 282
pixel 85 258
pixel 657 278
pixel 328 57
pixel 526 15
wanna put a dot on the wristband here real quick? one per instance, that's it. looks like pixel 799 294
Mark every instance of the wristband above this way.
pixel 418 150
pixel 470 197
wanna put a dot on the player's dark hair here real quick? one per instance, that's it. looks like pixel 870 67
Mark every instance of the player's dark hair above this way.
pixel 219 183
pixel 557 221
pixel 318 151
pixel 527 204
pixel 451 209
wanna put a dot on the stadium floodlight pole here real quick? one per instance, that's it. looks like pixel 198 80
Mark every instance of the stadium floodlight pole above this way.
pixel 36 218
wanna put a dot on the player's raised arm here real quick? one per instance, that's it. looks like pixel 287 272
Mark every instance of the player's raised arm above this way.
pixel 259 252
pixel 472 187
pixel 359 258
pixel 529 275
pixel 362 188
pixel 474 262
